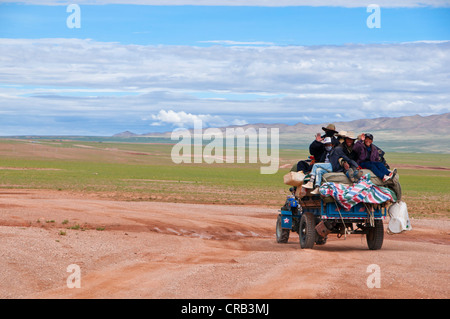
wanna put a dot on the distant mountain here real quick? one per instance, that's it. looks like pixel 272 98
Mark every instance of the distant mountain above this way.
pixel 125 134
pixel 433 124
pixel 430 134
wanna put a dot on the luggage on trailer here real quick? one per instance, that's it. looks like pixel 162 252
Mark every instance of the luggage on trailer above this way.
pixel 341 178
pixel 294 178
pixel 365 191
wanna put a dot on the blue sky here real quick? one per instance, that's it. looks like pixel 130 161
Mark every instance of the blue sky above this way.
pixel 154 68
pixel 196 25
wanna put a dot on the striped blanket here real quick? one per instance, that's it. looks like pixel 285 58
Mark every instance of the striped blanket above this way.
pixel 362 192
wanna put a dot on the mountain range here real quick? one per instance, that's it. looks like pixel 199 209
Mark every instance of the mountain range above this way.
pixel 407 133
pixel 432 124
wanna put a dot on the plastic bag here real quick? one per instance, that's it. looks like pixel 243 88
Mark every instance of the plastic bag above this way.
pixel 399 218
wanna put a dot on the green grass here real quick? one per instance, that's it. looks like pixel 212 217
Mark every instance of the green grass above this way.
pixel 422 159
pixel 425 181
pixel 138 171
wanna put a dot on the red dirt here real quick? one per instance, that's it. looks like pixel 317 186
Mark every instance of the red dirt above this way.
pixel 170 250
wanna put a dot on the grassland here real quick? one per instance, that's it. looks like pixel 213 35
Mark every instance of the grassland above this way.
pixel 145 172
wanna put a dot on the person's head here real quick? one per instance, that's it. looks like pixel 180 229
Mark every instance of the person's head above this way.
pixel 341 136
pixel 349 139
pixel 327 143
pixel 330 130
pixel 368 139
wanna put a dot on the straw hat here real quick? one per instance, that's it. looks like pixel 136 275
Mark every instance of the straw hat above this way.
pixel 350 135
pixel 330 127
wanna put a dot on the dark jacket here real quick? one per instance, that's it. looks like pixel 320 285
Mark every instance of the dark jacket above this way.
pixel 335 156
pixel 350 152
pixel 381 157
pixel 318 148
pixel 361 150
pixel 304 166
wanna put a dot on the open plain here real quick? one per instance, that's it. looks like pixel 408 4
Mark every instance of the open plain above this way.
pixel 141 233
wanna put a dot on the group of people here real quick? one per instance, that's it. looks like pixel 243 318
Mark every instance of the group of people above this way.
pixel 343 152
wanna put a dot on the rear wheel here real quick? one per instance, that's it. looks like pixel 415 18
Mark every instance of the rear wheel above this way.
pixel 282 233
pixel 375 235
pixel 307 231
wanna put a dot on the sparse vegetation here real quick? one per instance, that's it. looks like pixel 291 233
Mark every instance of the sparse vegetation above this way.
pixel 145 172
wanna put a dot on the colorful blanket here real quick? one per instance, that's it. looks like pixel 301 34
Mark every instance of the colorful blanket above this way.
pixel 362 192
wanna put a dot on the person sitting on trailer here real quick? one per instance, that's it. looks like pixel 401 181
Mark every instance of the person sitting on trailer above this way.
pixel 304 166
pixel 341 136
pixel 347 145
pixel 317 148
pixel 369 157
pixel 333 160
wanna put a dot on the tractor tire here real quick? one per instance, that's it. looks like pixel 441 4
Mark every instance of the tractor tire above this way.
pixel 375 235
pixel 307 231
pixel 282 234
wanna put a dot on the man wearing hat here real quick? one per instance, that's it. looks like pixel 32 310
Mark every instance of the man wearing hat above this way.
pixel 317 148
pixel 368 157
pixel 341 136
pixel 348 141
pixel 347 144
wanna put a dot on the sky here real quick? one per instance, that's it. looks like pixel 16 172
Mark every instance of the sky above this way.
pixel 105 67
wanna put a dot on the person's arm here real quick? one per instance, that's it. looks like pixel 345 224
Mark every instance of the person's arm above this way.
pixel 357 147
pixel 344 160
pixel 374 155
pixel 361 137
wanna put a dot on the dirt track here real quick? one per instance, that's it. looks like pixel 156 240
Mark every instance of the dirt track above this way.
pixel 164 250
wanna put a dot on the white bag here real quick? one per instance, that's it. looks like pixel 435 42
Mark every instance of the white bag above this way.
pixel 399 219
pixel 294 178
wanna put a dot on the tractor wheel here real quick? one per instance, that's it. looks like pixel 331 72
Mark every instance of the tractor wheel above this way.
pixel 375 235
pixel 282 234
pixel 307 231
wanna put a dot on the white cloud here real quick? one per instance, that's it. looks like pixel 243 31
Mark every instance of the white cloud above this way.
pixel 116 83
pixel 399 105
pixel 267 3
pixel 239 122
pixel 182 119
pixel 186 120
pixel 230 42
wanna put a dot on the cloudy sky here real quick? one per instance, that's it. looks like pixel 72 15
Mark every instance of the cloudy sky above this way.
pixel 145 67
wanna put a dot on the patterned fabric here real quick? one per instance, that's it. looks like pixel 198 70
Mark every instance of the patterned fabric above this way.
pixel 362 192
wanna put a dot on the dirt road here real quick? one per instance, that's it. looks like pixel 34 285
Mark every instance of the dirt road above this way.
pixel 163 250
